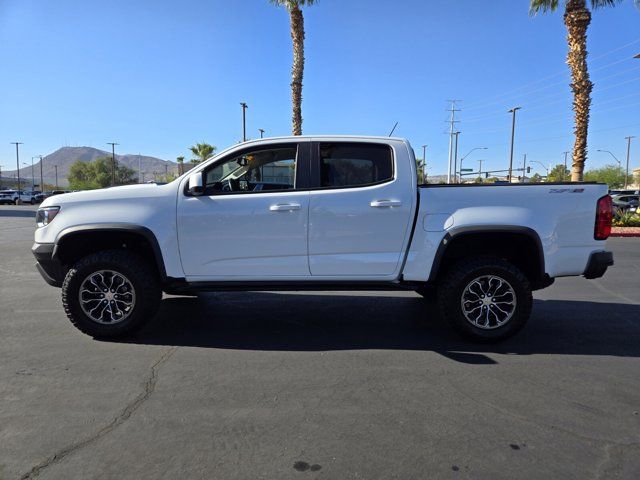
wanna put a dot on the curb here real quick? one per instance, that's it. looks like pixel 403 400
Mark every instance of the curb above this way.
pixel 624 234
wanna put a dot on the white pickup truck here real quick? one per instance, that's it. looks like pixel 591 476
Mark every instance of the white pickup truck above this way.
pixel 319 213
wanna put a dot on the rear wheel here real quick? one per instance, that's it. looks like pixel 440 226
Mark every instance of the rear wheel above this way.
pixel 485 299
pixel 110 294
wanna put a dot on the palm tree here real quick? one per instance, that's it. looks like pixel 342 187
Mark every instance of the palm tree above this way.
pixel 180 161
pixel 297 70
pixel 577 18
pixel 202 152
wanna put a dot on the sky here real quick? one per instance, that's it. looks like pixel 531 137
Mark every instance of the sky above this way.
pixel 157 77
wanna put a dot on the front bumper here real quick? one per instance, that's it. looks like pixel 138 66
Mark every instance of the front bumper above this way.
pixel 598 264
pixel 49 267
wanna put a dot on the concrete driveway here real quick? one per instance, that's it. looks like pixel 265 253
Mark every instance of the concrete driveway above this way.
pixel 319 385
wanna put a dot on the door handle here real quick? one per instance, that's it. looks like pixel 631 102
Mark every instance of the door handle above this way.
pixel 385 203
pixel 284 207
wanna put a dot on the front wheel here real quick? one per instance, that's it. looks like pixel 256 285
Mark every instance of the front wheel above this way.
pixel 110 294
pixel 485 299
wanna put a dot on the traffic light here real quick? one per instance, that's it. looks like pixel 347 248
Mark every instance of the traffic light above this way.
pixel 528 169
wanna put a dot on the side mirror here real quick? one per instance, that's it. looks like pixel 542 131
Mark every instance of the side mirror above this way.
pixel 194 185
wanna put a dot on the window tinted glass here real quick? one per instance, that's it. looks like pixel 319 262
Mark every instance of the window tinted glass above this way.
pixel 353 164
pixel 258 171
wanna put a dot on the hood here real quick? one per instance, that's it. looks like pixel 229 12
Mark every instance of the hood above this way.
pixel 132 192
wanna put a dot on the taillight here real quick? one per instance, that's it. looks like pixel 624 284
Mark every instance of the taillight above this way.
pixel 602 229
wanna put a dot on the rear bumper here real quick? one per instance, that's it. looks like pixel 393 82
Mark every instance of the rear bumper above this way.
pixel 598 264
pixel 49 268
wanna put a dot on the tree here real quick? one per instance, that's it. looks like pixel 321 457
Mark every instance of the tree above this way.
pixel 180 161
pixel 97 174
pixel 577 18
pixel 558 174
pixel 612 175
pixel 297 70
pixel 202 152
pixel 536 178
pixel 420 170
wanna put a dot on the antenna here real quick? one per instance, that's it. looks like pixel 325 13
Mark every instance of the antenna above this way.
pixel 393 129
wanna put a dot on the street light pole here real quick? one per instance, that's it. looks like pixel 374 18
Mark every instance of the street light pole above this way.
pixel 626 175
pixel 543 166
pixel 424 160
pixel 244 121
pixel 524 167
pixel 469 153
pixel 56 167
pixel 480 168
pixel 113 162
pixel 513 134
pixel 41 178
pixel 18 161
pixel 455 157
pixel 33 180
pixel 615 158
pixel 261 130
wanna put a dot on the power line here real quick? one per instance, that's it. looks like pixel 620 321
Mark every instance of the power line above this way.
pixel 507 94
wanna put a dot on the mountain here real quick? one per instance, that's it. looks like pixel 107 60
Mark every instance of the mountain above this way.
pixel 66 156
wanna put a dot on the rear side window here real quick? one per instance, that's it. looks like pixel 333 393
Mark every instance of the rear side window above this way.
pixel 354 164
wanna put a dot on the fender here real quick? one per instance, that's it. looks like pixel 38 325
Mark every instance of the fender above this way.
pixel 457 232
pixel 115 227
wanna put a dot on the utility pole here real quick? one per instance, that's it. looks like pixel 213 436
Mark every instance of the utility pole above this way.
pixel 41 177
pixel 564 172
pixel 261 130
pixel 424 160
pixel 56 167
pixel 244 121
pixel 455 158
pixel 452 123
pixel 626 174
pixel 113 162
pixel 18 161
pixel 139 168
pixel 524 167
pixel 513 134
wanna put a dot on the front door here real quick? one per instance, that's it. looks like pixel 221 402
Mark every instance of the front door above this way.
pixel 251 222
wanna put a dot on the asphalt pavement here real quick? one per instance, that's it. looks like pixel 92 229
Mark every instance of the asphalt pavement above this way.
pixel 334 385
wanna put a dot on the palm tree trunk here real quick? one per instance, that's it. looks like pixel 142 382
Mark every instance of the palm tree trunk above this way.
pixel 297 71
pixel 577 18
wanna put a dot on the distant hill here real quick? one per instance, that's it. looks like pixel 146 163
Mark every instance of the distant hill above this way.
pixel 66 156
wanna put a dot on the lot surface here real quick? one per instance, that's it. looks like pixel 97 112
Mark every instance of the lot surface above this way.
pixel 319 385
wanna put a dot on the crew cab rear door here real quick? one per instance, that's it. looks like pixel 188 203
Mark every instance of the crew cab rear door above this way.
pixel 251 222
pixel 361 208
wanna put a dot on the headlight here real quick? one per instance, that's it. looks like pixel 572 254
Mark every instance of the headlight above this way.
pixel 44 216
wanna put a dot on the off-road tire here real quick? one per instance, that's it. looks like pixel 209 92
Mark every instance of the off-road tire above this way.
pixel 148 293
pixel 451 289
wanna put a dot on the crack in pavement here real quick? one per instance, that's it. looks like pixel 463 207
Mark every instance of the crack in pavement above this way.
pixel 123 416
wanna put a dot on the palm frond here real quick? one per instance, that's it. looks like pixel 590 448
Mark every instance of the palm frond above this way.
pixel 595 4
pixel 544 6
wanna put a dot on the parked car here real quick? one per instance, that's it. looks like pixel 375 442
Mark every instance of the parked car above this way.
pixel 6 197
pixel 625 203
pixel 320 213
pixel 26 197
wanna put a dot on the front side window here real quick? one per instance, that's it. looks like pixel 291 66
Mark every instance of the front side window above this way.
pixel 352 165
pixel 264 170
